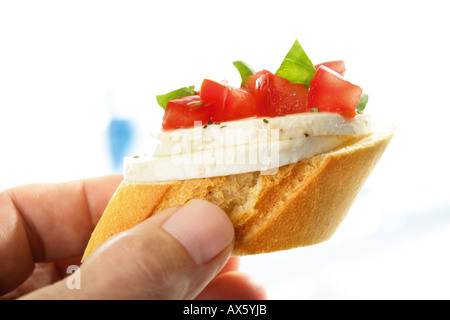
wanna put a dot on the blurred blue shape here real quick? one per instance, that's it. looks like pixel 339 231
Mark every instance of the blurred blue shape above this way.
pixel 120 136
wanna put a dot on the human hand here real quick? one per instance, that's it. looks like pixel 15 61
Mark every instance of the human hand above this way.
pixel 179 253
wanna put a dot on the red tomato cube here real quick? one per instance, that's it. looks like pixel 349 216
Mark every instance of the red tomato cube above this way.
pixel 275 96
pixel 337 65
pixel 183 112
pixel 330 92
pixel 228 103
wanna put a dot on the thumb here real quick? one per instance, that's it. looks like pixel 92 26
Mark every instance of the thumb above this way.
pixel 172 255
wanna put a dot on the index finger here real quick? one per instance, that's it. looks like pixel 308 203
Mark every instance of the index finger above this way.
pixel 48 222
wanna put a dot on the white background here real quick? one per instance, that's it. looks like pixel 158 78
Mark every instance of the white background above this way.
pixel 65 65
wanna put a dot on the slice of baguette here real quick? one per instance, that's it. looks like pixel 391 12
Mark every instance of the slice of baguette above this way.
pixel 301 205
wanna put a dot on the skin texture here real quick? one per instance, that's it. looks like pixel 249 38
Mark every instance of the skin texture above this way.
pixel 45 228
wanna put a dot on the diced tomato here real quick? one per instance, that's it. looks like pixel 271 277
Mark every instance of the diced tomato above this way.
pixel 287 97
pixel 215 95
pixel 183 112
pixel 228 103
pixel 265 94
pixel 275 95
pixel 330 92
pixel 250 83
pixel 240 104
pixel 337 66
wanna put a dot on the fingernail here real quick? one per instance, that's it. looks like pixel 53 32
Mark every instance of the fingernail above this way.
pixel 202 228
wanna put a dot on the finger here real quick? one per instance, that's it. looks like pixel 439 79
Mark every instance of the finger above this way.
pixel 232 265
pixel 233 286
pixel 41 223
pixel 42 275
pixel 172 255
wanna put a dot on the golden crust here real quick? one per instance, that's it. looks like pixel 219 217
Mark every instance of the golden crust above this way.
pixel 301 205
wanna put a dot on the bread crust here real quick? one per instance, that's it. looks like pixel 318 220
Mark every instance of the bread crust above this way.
pixel 301 205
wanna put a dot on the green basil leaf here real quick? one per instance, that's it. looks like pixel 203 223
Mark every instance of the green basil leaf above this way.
pixel 296 66
pixel 362 103
pixel 244 70
pixel 182 92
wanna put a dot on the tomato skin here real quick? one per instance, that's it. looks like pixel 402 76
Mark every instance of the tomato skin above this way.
pixel 275 96
pixel 251 82
pixel 257 85
pixel 214 94
pixel 265 94
pixel 330 92
pixel 336 65
pixel 182 112
pixel 228 103
pixel 240 104
pixel 287 97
